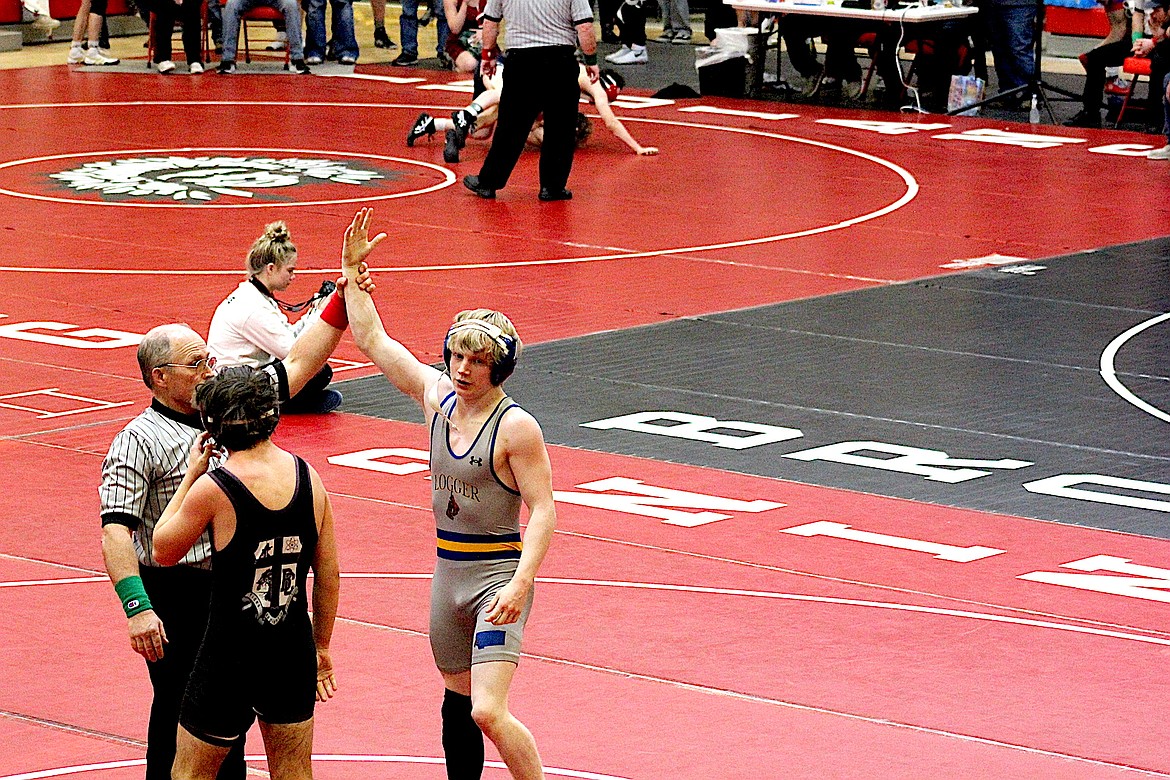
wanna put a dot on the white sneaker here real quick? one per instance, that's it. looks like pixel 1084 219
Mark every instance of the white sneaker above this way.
pixel 667 36
pixel 1160 154
pixel 280 44
pixel 617 54
pixel 196 68
pixel 165 67
pixel 95 57
pixel 636 55
pixel 45 23
pixel 76 55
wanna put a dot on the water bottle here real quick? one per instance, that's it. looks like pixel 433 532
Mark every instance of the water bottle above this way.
pixel 1034 111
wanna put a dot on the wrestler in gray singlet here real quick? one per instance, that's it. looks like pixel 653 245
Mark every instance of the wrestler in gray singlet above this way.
pixel 477 518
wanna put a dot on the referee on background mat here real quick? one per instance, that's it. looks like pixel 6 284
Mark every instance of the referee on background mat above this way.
pixel 542 77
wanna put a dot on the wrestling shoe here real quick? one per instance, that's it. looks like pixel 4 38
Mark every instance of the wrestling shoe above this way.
pixel 424 125
pixel 451 147
pixel 464 121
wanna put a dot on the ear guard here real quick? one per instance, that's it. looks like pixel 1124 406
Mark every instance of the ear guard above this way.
pixel 504 367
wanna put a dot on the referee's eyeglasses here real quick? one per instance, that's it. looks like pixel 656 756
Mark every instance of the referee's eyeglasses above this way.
pixel 198 365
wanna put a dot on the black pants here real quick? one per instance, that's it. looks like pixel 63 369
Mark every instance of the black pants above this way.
pixel 798 32
pixel 1096 61
pixel 542 79
pixel 310 396
pixel 632 21
pixel 181 597
pixel 165 13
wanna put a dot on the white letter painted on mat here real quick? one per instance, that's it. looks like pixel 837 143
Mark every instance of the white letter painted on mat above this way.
pixel 1145 582
pixel 651 501
pixel 935 465
pixel 944 552
pixel 1062 485
pixel 698 428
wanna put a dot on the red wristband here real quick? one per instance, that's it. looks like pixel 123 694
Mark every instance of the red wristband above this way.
pixel 334 312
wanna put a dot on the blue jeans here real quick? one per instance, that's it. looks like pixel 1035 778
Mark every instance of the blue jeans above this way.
pixel 408 25
pixel 1166 108
pixel 231 25
pixel 1010 31
pixel 344 42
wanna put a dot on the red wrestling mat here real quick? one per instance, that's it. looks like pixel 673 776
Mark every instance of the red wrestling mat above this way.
pixel 820 655
pixel 733 647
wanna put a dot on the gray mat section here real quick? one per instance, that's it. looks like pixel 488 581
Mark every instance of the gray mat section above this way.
pixel 985 365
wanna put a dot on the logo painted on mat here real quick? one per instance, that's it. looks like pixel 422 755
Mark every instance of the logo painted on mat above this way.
pixel 206 179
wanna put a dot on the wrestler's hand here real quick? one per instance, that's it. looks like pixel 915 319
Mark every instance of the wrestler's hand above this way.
pixel 357 245
pixel 326 682
pixel 506 606
pixel 201 452
pixel 594 73
pixel 147 635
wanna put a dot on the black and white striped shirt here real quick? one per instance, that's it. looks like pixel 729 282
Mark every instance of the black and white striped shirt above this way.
pixel 540 22
pixel 145 466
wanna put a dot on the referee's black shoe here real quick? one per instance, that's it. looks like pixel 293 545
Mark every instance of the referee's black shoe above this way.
pixel 472 183
pixel 546 194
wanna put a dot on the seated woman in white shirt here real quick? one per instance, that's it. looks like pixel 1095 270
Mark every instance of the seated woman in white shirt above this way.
pixel 250 327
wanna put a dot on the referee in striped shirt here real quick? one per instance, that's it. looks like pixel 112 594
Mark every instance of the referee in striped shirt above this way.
pixel 167 608
pixel 542 77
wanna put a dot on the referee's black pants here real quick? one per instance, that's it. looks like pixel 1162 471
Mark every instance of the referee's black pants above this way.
pixel 181 597
pixel 538 79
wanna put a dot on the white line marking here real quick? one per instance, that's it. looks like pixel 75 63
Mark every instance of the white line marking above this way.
pixel 907 179
pixel 1109 373
pixel 324 758
pixel 734 112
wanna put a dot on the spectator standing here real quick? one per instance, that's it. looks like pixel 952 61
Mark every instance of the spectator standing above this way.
pixel 1011 33
pixel 676 22
pixel 345 45
pixel 408 28
pixel 87 33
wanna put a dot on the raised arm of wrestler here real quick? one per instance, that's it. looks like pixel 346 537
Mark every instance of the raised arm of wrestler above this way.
pixel 406 372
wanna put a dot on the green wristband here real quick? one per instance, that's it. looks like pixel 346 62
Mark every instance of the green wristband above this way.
pixel 591 59
pixel 133 595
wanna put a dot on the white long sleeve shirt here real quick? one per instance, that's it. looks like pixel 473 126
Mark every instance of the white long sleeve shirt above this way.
pixel 249 328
